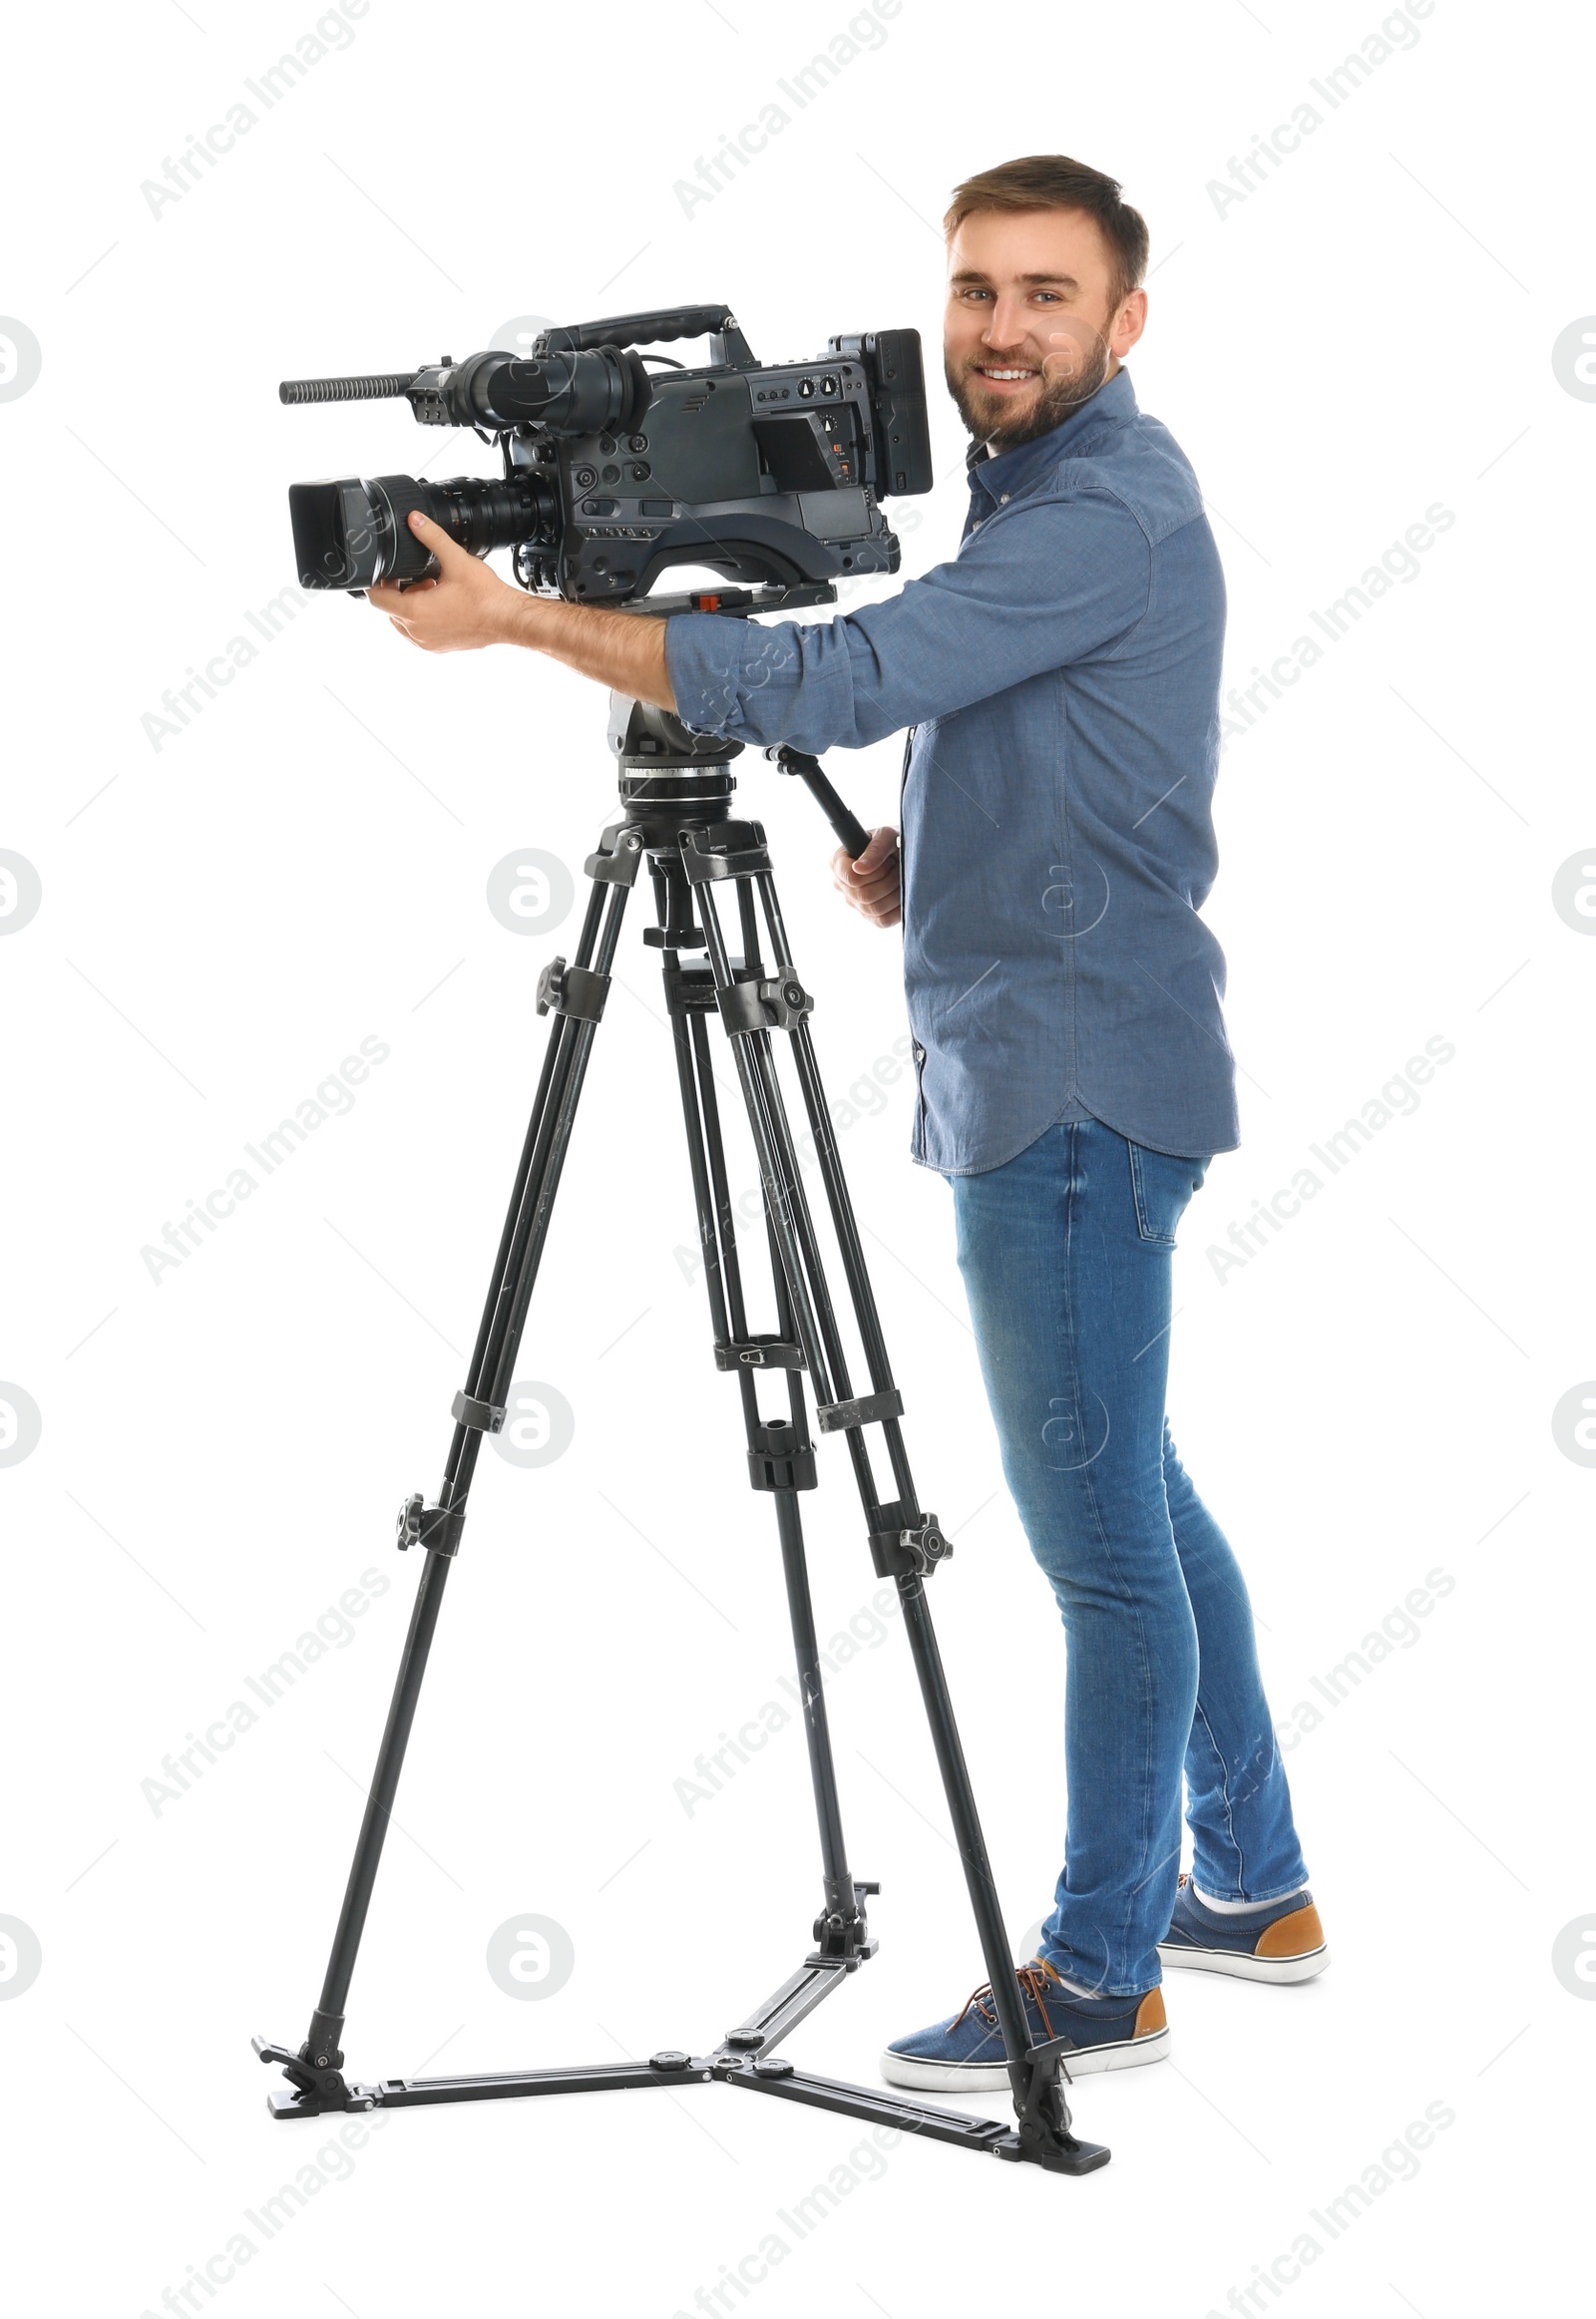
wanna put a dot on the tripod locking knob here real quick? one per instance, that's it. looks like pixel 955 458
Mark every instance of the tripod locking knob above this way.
pixel 901 1551
pixel 435 1527
pixel 770 1004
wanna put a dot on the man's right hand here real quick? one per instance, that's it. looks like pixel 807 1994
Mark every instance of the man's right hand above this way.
pixel 871 882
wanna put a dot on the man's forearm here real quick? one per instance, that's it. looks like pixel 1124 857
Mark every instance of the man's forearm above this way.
pixel 626 650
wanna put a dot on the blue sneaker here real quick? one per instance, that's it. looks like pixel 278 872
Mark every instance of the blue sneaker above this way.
pixel 1280 1940
pixel 965 2054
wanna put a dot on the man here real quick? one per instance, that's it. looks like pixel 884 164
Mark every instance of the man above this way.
pixel 1062 679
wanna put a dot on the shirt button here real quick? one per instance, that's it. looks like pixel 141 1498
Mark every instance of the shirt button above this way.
pixel 1003 499
pixel 976 526
pixel 920 1052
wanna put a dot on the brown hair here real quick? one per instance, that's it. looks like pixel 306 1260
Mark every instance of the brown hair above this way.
pixel 1051 181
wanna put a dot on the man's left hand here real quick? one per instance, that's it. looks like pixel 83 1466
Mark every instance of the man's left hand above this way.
pixel 467 606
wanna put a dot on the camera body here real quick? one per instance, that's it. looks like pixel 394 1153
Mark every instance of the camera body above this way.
pixel 769 474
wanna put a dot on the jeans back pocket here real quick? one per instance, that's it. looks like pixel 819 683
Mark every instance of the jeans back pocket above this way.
pixel 1162 1184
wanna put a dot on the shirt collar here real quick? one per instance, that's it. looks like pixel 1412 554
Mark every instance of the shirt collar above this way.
pixel 1012 471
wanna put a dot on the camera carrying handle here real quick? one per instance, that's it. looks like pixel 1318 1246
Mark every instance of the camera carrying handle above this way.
pixel 622 330
pixel 654 328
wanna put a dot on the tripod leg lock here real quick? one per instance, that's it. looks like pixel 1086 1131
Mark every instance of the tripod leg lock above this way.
pixel 764 1352
pixel 574 991
pixel 778 1002
pixel 780 1458
pixel 480 1416
pixel 913 1548
pixel 868 1409
pixel 436 1528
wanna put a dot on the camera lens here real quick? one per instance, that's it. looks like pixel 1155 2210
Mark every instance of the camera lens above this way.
pixel 352 533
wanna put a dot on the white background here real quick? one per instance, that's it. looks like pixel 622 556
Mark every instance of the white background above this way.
pixel 305 866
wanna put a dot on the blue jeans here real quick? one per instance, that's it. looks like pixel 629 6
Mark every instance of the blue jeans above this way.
pixel 1066 1253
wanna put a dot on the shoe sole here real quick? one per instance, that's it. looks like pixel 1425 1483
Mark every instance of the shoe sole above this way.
pixel 978 2077
pixel 1241 1966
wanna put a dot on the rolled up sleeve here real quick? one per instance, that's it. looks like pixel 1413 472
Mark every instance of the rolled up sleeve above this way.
pixel 1038 586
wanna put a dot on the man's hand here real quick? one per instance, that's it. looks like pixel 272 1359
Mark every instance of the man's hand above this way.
pixel 872 883
pixel 466 606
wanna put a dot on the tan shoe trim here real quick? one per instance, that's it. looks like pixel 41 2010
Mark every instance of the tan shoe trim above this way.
pixel 1292 1936
pixel 1150 2014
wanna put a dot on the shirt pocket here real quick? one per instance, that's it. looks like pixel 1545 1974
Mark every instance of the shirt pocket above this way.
pixel 1162 1185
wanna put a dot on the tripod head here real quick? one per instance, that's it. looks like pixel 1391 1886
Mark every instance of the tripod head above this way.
pixel 661 764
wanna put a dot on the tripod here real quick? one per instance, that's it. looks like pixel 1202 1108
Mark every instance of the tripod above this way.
pixel 676 789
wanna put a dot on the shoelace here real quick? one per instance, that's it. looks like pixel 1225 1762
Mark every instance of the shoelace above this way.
pixel 1033 1980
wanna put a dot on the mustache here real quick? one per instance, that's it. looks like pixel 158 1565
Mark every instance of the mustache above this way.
pixel 1062 385
pixel 1073 358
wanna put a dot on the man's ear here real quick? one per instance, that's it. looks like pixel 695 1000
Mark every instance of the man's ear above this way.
pixel 1130 323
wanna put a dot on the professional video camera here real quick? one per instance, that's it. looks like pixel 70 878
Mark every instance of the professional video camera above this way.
pixel 770 474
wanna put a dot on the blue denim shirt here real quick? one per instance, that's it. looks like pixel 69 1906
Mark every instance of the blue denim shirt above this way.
pixel 1061 676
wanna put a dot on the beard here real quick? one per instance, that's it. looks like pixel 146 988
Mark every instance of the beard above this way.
pixel 994 417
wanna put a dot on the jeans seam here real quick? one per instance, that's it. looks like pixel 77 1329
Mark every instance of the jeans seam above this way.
pixel 1122 1926
pixel 1224 1790
pixel 1267 1899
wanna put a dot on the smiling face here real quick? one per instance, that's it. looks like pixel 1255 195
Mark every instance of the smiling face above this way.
pixel 1034 323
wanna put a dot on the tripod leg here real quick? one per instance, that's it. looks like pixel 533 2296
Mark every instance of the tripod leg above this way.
pixel 780 1457
pixel 906 1543
pixel 575 994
